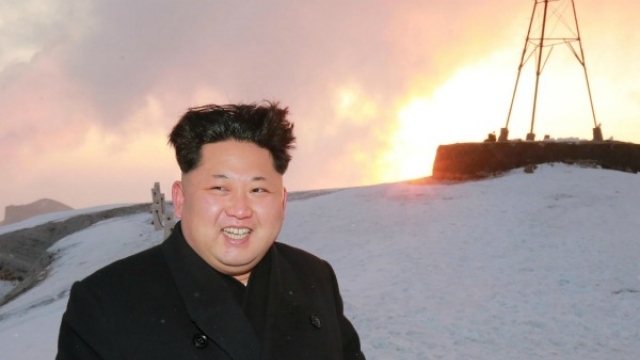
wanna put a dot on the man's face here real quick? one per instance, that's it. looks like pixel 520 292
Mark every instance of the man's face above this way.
pixel 231 206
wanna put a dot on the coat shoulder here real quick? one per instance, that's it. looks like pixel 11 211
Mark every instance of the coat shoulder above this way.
pixel 128 272
pixel 299 257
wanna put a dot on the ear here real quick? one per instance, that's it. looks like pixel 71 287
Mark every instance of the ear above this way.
pixel 284 200
pixel 178 199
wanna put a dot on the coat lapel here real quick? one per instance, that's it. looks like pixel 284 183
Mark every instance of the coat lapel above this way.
pixel 208 301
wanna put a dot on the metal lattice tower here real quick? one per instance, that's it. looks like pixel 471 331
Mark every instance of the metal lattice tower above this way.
pixel 550 27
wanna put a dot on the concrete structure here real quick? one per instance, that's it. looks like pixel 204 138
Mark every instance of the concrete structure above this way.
pixel 467 161
pixel 162 219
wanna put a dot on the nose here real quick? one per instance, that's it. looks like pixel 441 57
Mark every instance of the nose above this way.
pixel 239 206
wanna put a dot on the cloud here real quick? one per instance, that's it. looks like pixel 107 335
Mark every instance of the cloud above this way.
pixel 99 78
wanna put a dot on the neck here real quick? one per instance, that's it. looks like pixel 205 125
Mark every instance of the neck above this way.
pixel 243 278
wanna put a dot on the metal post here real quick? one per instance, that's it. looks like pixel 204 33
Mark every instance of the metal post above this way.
pixel 505 131
pixel 597 131
pixel 531 136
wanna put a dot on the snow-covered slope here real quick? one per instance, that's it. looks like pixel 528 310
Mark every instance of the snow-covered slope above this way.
pixel 523 266
pixel 54 216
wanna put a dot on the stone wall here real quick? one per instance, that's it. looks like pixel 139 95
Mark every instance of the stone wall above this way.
pixel 476 160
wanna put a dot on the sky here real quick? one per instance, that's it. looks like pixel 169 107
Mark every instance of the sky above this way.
pixel 521 266
pixel 89 90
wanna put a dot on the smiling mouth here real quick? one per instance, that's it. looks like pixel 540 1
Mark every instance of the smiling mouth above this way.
pixel 236 233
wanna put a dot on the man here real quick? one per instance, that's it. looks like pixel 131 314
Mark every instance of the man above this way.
pixel 219 287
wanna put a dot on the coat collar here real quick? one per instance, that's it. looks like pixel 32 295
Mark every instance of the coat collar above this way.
pixel 208 301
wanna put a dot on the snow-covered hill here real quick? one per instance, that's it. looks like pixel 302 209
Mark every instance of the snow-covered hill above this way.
pixel 523 266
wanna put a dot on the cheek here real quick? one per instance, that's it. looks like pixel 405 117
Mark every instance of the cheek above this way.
pixel 271 213
pixel 213 206
pixel 202 206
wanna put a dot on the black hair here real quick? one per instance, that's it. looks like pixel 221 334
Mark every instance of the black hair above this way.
pixel 264 125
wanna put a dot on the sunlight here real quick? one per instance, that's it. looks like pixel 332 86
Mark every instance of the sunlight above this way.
pixel 353 105
pixel 474 102
pixel 470 104
pixel 411 150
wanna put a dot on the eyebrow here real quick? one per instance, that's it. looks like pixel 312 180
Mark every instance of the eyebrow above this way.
pixel 223 176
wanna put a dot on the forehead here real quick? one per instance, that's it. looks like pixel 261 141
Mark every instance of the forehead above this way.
pixel 232 155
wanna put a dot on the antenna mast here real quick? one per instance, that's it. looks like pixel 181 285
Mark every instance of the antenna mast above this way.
pixel 537 45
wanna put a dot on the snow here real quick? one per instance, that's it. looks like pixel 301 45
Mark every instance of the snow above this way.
pixel 522 266
pixel 6 286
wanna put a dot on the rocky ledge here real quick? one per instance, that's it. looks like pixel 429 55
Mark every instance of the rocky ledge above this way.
pixel 23 253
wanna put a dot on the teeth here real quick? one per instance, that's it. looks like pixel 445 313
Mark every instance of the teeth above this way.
pixel 236 233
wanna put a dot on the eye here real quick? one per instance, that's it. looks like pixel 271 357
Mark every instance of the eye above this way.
pixel 259 190
pixel 218 188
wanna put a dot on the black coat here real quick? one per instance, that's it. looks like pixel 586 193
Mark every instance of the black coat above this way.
pixel 168 303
